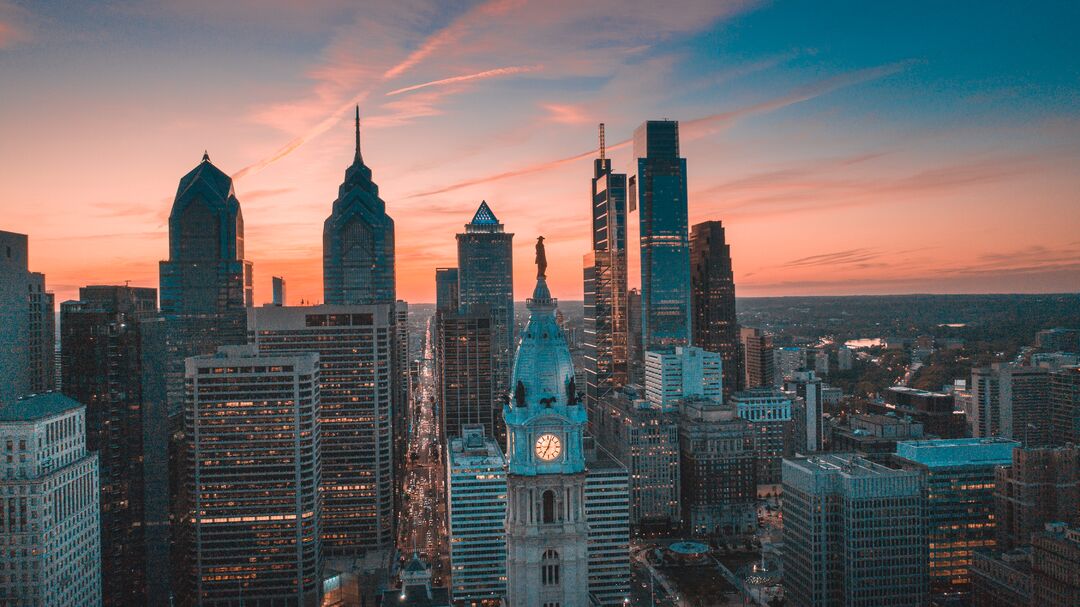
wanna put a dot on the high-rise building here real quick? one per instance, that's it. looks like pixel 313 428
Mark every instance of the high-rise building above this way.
pixel 645 438
pixel 757 357
pixel 546 526
pixel 1013 402
pixel 605 276
pixel 769 412
pixel 713 299
pixel 658 186
pixel 607 510
pixel 635 350
pixel 278 286
pixel 807 410
pixel 446 289
pixel 874 434
pixel 1041 486
pixel 959 478
pixel 355 344
pixel 1055 553
pixel 845 358
pixel 682 372
pixel 358 240
pixel 101 350
pixel 27 323
pixel 786 362
pixel 936 411
pixel 486 277
pixel 1065 406
pixel 252 484
pixel 465 373
pixel 1001 579
pixel 718 471
pixel 476 509
pixel 856 531
pixel 49 497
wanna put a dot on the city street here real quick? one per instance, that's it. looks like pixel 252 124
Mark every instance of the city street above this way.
pixel 423 524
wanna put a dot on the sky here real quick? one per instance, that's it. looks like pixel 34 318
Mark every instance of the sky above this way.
pixel 848 147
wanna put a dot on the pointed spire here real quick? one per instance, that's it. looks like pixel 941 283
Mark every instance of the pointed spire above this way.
pixel 205 156
pixel 358 158
pixel 484 215
pixel 602 146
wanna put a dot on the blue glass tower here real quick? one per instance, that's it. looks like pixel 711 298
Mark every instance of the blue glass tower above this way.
pixel 358 240
pixel 659 188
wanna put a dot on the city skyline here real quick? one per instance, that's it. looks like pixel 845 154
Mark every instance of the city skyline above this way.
pixel 825 141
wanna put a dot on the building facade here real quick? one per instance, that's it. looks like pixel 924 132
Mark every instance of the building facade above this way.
pixel 101 350
pixel 635 350
pixel 355 344
pixel 252 482
pixel 607 510
pixel 49 497
pixel 1055 553
pixel 769 414
pixel 358 240
pixel 757 357
pixel 27 323
pixel 658 187
pixel 1012 402
pixel 808 408
pixel 446 289
pixel 718 471
pixel 1065 406
pixel 713 300
pixel 936 411
pixel 680 373
pixel 1041 486
pixel 465 374
pixel 858 529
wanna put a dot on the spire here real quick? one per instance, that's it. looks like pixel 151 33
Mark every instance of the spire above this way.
pixel 205 156
pixel 602 150
pixel 484 215
pixel 358 158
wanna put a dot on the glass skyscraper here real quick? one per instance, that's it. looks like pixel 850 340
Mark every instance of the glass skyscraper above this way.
pixel 605 284
pixel 358 240
pixel 486 277
pixel 659 188
pixel 713 297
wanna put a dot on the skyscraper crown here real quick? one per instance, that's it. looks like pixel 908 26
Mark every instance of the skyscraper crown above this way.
pixel 484 220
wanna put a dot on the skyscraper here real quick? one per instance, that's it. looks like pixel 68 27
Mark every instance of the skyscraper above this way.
pixel 49 497
pixel 1065 406
pixel 769 412
pixel 635 351
pixel 355 348
pixel 607 510
pixel 465 377
pixel 658 187
pixel 252 483
pixel 682 373
pixel 446 289
pixel 27 323
pixel 546 526
pixel 757 357
pixel 713 298
pixel 101 350
pixel 1041 486
pixel 856 533
pixel 358 240
pixel 486 277
pixel 1013 402
pixel 605 329
pixel 807 410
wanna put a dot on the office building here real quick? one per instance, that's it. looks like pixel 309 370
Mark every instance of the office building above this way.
pixel 718 470
pixel 1058 339
pixel 1041 486
pixel 27 323
pixel 771 427
pixel 645 438
pixel 936 411
pixel 278 291
pixel 682 372
pixel 757 357
pixel 1055 553
pixel 358 240
pixel 253 432
pixel 787 361
pixel 845 358
pixel 465 367
pixel 49 497
pixel 1011 401
pixel 1065 406
pixel 355 344
pixel 446 289
pixel 859 533
pixel 807 410
pixel 959 477
pixel 1001 579
pixel 476 509
pixel 658 187
pixel 874 434
pixel 100 345
pixel 605 313
pixel 635 351
pixel 712 298
pixel 607 510
pixel 486 278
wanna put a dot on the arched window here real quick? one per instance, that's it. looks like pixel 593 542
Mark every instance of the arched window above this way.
pixel 548 506
pixel 549 568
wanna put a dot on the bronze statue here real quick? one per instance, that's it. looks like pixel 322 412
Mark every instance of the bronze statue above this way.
pixel 541 258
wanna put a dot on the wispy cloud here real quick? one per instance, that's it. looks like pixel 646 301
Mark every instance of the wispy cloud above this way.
pixel 566 113
pixel 502 71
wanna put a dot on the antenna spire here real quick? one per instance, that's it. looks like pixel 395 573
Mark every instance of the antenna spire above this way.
pixel 602 146
pixel 358 157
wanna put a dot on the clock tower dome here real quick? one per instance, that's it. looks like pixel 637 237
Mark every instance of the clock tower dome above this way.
pixel 546 530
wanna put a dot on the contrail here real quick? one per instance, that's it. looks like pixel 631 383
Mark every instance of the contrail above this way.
pixel 502 71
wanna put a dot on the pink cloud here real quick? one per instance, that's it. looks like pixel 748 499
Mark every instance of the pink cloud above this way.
pixel 565 113
pixel 494 73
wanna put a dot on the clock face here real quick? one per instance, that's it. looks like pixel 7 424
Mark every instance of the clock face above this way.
pixel 548 447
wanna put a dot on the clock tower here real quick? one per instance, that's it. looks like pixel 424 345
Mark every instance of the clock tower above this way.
pixel 546 530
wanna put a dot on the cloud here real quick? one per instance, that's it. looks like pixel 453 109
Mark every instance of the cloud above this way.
pixel 565 113
pixel 502 71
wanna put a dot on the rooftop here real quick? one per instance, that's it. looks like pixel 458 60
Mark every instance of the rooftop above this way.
pixel 958 451
pixel 37 406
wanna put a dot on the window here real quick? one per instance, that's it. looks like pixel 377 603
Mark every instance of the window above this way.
pixel 549 506
pixel 549 568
